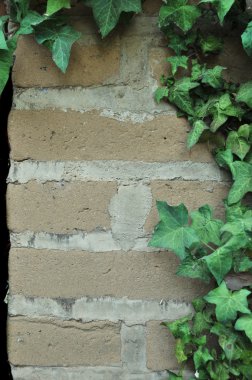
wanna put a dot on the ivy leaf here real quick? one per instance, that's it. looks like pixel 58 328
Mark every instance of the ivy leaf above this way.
pixel 194 268
pixel 228 303
pixel 207 228
pixel 3 44
pixel 180 96
pixel 245 324
pixel 217 371
pixel 161 93
pixel 201 322
pixel 29 21
pixel 201 357
pixel 210 44
pixel 247 39
pixel 107 12
pixel 180 13
pixel 242 175
pixel 177 61
pixel 59 38
pixel 238 144
pixel 222 6
pixel 54 6
pixel 193 137
pixel 213 77
pixel 221 109
pixel 6 62
pixel 242 263
pixel 180 43
pixel 180 328
pixel 173 231
pixel 244 94
pixel 220 262
pixel 224 157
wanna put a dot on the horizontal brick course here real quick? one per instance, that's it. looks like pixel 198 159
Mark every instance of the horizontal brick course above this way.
pixel 89 136
pixel 53 342
pixel 193 194
pixel 59 207
pixel 135 275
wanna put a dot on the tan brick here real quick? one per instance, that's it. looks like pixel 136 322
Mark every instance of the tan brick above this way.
pixel 151 7
pixel 160 348
pixel 2 9
pixel 193 194
pixel 59 207
pixel 158 65
pixel 89 65
pixel 234 58
pixel 75 136
pixel 56 343
pixel 135 275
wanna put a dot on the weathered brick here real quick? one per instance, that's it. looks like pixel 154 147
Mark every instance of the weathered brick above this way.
pixel 158 64
pixel 89 65
pixel 53 342
pixel 135 275
pixel 59 207
pixel 89 136
pixel 193 194
pixel 151 7
pixel 160 347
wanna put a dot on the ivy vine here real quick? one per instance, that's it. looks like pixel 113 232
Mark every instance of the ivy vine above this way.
pixel 218 336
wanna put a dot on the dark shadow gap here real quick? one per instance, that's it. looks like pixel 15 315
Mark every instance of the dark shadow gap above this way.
pixel 5 107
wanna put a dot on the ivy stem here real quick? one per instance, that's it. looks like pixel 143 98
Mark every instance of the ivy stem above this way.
pixel 208 246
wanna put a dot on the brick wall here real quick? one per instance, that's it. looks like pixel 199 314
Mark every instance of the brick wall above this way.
pixel 90 153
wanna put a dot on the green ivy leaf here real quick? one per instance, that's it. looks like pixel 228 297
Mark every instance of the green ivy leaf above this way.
pixel 242 175
pixel 178 61
pixel 60 39
pixel 161 93
pixel 213 77
pixel 217 371
pixel 221 109
pixel 3 43
pixel 210 44
pixel 201 357
pixel 107 12
pixel 180 96
pixel 173 231
pixel 238 144
pixel 245 324
pixel 244 94
pixel 30 21
pixel 224 157
pixel 54 6
pixel 198 128
pixel 194 268
pixel 180 43
pixel 247 39
pixel 6 62
pixel 207 228
pixel 242 263
pixel 201 322
pixel 222 6
pixel 220 262
pixel 180 328
pixel 228 303
pixel 180 13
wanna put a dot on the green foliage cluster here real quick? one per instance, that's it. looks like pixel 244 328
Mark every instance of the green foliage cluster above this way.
pixel 51 28
pixel 218 336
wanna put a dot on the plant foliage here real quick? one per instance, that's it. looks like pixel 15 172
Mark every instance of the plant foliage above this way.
pixel 52 29
pixel 218 336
